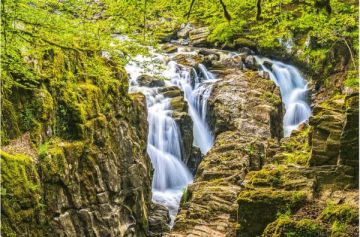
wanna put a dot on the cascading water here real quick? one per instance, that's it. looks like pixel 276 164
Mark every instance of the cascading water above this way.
pixel 171 175
pixel 293 90
pixel 196 91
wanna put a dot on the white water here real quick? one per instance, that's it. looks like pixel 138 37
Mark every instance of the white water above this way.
pixel 171 175
pixel 196 92
pixel 293 90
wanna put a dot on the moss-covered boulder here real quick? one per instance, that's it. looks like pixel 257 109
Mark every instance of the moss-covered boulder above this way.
pixel 284 226
pixel 258 208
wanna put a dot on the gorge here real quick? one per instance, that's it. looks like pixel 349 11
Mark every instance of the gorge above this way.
pixel 179 118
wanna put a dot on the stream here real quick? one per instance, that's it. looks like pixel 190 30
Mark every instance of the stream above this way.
pixel 171 175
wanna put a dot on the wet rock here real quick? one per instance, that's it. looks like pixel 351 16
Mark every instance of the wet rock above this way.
pixel 185 30
pixel 194 160
pixel 268 64
pixel 171 91
pixel 198 37
pixel 243 42
pixel 264 75
pixel 246 50
pixel 150 81
pixel 159 220
pixel 185 124
pixel 190 60
pixel 250 63
pixel 169 48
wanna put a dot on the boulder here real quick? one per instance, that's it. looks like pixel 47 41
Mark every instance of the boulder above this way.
pixel 198 37
pixel 171 91
pixel 349 140
pixel 184 31
pixel 190 60
pixel 150 81
pixel 169 48
pixel 246 50
pixel 244 42
pixel 209 204
pixel 250 63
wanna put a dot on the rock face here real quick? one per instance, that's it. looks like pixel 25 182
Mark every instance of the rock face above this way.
pixel 327 122
pixel 349 140
pixel 86 172
pixel 289 196
pixel 241 126
pixel 159 220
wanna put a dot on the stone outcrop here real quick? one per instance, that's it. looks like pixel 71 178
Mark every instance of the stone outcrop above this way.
pixel 242 126
pixel 81 169
pixel 304 179
pixel 349 140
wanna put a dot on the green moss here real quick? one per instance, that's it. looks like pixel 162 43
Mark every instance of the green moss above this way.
pixel 295 149
pixel 259 207
pixel 342 212
pixel 284 226
pixel 271 98
pixel 338 229
pixel 352 79
pixel 52 160
pixel 21 206
pixel 185 196
pixel 9 121
pixel 266 177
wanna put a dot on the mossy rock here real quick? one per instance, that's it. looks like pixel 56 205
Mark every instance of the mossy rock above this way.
pixel 21 207
pixel 9 122
pixel 341 212
pixel 286 227
pixel 257 208
pixel 244 42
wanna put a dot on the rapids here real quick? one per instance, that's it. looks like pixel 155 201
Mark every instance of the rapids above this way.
pixel 171 175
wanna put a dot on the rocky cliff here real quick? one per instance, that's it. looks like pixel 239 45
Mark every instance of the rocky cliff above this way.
pixel 81 167
pixel 305 185
pixel 242 115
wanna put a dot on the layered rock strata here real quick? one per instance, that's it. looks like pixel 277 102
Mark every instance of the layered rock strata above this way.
pixel 242 118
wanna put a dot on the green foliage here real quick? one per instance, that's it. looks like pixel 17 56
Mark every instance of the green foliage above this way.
pixel 343 213
pixel 185 196
pixel 20 195
pixel 352 79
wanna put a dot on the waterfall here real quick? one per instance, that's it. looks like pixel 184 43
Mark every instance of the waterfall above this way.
pixel 293 89
pixel 171 175
pixel 196 92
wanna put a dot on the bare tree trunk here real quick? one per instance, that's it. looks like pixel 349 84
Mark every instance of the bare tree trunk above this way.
pixel 144 30
pixel 226 13
pixel 190 9
pixel 258 12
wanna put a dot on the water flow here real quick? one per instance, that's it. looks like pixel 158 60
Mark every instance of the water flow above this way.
pixel 293 90
pixel 171 175
pixel 197 89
